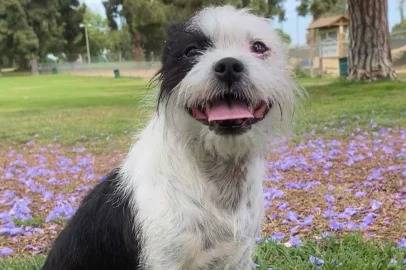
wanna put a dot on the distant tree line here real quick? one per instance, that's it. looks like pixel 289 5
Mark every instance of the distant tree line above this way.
pixel 31 30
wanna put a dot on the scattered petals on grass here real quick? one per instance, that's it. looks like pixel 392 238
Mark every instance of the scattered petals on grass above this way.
pixel 6 251
pixel 353 184
pixel 313 188
pixel 41 187
pixel 316 261
pixel 402 243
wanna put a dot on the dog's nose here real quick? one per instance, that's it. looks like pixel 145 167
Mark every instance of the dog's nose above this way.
pixel 229 70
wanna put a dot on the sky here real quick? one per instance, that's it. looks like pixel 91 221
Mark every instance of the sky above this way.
pixel 295 25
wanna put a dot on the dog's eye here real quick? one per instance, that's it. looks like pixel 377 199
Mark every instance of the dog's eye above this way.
pixel 259 47
pixel 191 51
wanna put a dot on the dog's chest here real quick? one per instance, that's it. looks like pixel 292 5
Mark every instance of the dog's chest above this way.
pixel 191 231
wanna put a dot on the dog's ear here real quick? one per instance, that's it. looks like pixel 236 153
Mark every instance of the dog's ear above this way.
pixel 158 76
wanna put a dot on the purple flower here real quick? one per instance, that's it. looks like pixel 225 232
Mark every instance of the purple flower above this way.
pixel 258 240
pixel 6 251
pixel 20 209
pixel 275 177
pixel 61 210
pixel 329 198
pixel 302 186
pixel 402 243
pixel 273 193
pixel 351 226
pixel 367 220
pixel 11 230
pixel 336 225
pixel 282 206
pixel 276 237
pixel 348 212
pixel 291 216
pixel 6 197
pixel 359 194
pixel 295 241
pixel 375 205
pixel 329 213
pixel 376 174
pixel 307 221
pixel 316 261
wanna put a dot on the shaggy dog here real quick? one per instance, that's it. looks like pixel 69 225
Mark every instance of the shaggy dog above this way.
pixel 189 195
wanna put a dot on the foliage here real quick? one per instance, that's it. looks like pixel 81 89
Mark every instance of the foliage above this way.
pixel 36 28
pixel 399 29
pixel 120 43
pixel 147 20
pixel 317 8
pixel 18 40
pixel 72 15
pixel 284 36
pixel 97 29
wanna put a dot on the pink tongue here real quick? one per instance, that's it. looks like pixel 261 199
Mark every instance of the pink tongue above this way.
pixel 221 110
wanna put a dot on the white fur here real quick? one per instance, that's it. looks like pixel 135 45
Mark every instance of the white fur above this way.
pixel 175 201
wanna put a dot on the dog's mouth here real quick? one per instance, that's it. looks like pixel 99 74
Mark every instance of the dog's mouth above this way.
pixel 230 116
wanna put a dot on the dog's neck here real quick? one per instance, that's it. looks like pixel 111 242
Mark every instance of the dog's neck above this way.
pixel 227 175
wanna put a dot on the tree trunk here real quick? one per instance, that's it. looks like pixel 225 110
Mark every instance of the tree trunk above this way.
pixel 401 10
pixel 370 55
pixel 34 65
pixel 136 44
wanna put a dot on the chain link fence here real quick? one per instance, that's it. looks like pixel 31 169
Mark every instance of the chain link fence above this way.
pixel 142 69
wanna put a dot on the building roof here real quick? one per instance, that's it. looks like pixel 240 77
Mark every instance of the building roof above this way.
pixel 327 21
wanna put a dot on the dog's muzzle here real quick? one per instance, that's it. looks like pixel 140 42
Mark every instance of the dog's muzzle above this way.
pixel 230 113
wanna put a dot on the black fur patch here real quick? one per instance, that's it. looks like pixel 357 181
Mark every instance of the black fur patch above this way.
pixel 100 235
pixel 177 60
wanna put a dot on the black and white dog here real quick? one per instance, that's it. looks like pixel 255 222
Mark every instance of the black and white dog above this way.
pixel 189 195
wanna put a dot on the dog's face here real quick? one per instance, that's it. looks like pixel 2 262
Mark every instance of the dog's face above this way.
pixel 224 74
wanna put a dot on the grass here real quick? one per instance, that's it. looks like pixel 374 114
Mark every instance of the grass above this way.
pixel 22 263
pixel 70 110
pixel 104 112
pixel 334 104
pixel 348 253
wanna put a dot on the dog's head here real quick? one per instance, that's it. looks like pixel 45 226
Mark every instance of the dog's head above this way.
pixel 225 77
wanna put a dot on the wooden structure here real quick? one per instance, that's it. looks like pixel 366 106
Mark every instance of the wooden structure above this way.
pixel 328 42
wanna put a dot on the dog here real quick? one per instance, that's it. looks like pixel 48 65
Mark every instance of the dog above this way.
pixel 189 194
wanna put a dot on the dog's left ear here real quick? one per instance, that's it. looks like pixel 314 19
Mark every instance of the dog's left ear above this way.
pixel 167 76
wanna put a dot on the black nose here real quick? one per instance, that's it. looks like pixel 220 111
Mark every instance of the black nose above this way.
pixel 229 70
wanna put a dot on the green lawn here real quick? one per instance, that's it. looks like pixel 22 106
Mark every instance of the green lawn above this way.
pixel 104 112
pixel 349 253
pixel 334 104
pixel 69 110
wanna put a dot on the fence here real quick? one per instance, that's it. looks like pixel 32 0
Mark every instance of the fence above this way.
pixel 105 69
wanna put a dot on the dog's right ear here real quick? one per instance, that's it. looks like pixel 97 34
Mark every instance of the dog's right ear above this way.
pixel 171 31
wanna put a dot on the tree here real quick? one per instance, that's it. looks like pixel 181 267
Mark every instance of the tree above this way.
pixel 284 36
pixel 43 16
pixel 147 20
pixel 72 16
pixel 143 17
pixel 318 8
pixel 120 43
pixel 369 55
pixel 18 40
pixel 401 10
pixel 97 28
